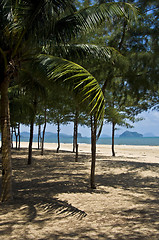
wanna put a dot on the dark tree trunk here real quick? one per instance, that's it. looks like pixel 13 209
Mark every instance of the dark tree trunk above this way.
pixel 93 150
pixel 19 135
pixel 58 136
pixel 6 193
pixel 31 132
pixel 76 135
pixel 123 35
pixel 12 137
pixel 113 133
pixel 16 142
pixel 43 136
pixel 39 136
pixel 76 159
pixel 16 138
pixel 30 143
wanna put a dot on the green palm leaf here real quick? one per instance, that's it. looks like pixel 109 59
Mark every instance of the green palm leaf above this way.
pixel 90 18
pixel 80 51
pixel 26 17
pixel 79 79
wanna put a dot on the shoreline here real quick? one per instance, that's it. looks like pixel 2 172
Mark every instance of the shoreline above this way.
pixel 51 146
pixel 135 153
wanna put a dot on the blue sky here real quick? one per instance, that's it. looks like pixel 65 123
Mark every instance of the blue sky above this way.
pixel 150 124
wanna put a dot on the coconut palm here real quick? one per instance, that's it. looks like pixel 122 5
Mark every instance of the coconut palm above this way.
pixel 26 27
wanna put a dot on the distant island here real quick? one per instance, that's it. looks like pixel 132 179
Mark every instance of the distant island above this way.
pixel 47 134
pixel 105 136
pixel 128 134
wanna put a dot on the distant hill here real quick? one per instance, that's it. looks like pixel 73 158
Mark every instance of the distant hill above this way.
pixel 47 134
pixel 128 134
pixel 104 136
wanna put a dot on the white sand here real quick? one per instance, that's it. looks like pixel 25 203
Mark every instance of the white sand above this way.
pixel 148 154
pixel 53 200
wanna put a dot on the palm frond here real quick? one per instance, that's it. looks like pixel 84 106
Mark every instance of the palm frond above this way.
pixel 25 18
pixel 90 18
pixel 80 51
pixel 79 79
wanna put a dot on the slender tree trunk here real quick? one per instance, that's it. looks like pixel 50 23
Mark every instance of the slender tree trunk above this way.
pixel 31 132
pixel 42 142
pixel 76 135
pixel 31 143
pixel 58 136
pixel 76 159
pixel 12 137
pixel 19 135
pixel 16 138
pixel 93 150
pixel 16 142
pixel 39 136
pixel 113 133
pixel 6 193
pixel 123 35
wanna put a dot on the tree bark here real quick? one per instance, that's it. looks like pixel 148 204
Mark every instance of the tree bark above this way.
pixel 58 136
pixel 16 138
pixel 113 133
pixel 39 136
pixel 30 143
pixel 93 150
pixel 42 142
pixel 76 135
pixel 19 135
pixel 32 120
pixel 12 138
pixel 6 143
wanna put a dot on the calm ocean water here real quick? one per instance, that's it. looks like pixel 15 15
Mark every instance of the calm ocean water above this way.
pixel 151 141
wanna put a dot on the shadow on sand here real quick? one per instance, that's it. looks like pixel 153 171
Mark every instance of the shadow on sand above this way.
pixel 36 187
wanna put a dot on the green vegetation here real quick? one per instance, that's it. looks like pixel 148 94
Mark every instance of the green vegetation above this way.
pixel 64 61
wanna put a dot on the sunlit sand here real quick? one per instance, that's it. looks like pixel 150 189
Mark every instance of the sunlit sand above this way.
pixel 53 200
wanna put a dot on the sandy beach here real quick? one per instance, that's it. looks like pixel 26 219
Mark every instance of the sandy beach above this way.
pixel 53 200
pixel 147 154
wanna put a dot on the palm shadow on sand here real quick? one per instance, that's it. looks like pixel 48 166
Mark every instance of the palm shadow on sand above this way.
pixel 37 186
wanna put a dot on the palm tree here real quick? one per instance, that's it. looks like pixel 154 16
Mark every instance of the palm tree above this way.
pixel 25 28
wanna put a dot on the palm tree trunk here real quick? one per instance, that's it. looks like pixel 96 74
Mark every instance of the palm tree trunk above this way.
pixel 113 133
pixel 58 136
pixel 6 193
pixel 42 142
pixel 93 150
pixel 30 143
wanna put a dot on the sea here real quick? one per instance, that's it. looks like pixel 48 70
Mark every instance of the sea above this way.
pixel 146 141
pixel 149 141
